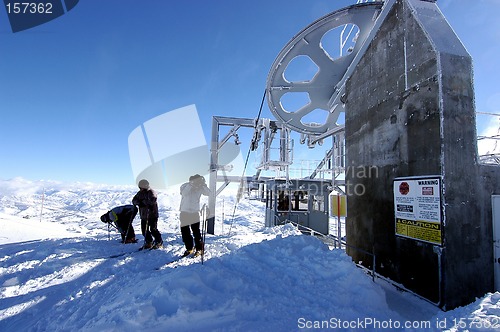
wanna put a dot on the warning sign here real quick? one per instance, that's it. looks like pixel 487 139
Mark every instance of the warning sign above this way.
pixel 417 208
pixel 419 230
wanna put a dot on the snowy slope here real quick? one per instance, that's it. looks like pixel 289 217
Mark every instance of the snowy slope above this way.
pixel 56 273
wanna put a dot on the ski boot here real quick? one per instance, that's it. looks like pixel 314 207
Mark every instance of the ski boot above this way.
pixel 147 245
pixel 158 245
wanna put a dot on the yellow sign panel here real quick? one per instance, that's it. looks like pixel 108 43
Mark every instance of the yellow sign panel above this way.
pixel 419 230
pixel 338 205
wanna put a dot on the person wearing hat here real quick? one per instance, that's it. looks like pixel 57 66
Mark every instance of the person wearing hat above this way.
pixel 122 217
pixel 190 213
pixel 146 199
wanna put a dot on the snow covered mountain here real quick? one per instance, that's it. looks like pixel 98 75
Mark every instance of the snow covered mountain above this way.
pixel 59 272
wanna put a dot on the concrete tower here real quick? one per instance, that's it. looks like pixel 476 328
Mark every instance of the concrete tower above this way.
pixel 410 125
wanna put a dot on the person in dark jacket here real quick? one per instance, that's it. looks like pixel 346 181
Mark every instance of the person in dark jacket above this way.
pixel 190 213
pixel 122 217
pixel 145 199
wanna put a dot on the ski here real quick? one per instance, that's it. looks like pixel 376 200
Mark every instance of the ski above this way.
pixel 121 255
pixel 154 247
pixel 131 252
pixel 118 255
pixel 177 259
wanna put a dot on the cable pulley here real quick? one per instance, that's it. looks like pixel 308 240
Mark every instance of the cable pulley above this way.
pixel 314 105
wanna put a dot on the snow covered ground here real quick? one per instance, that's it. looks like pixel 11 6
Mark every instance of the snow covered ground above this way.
pixel 56 273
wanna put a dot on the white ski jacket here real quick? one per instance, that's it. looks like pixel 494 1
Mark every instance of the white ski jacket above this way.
pixel 190 201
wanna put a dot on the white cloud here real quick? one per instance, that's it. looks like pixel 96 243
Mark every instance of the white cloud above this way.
pixel 488 140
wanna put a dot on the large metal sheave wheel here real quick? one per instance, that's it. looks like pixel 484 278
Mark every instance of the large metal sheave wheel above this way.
pixel 320 93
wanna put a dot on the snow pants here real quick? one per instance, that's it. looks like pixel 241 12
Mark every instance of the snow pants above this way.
pixel 193 221
pixel 149 230
pixel 124 224
pixel 187 238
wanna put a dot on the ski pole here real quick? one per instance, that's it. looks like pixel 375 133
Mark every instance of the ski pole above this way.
pixel 41 209
pixel 204 232
pixel 128 227
pixel 111 225
pixel 146 230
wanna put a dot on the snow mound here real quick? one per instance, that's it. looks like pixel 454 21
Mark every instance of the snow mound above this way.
pixel 67 273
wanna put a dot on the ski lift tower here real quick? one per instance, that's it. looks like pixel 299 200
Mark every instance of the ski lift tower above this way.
pixel 323 92
pixel 266 131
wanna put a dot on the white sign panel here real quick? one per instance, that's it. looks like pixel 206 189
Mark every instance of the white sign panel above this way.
pixel 417 208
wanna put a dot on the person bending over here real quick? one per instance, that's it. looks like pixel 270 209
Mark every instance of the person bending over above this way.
pixel 122 217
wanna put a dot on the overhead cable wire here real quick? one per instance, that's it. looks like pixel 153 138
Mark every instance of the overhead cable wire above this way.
pixel 242 181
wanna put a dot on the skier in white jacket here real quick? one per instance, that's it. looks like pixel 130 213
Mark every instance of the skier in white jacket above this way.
pixel 190 213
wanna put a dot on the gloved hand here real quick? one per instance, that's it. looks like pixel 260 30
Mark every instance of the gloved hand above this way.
pixel 199 182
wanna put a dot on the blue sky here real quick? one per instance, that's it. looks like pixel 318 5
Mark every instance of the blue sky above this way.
pixel 73 89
